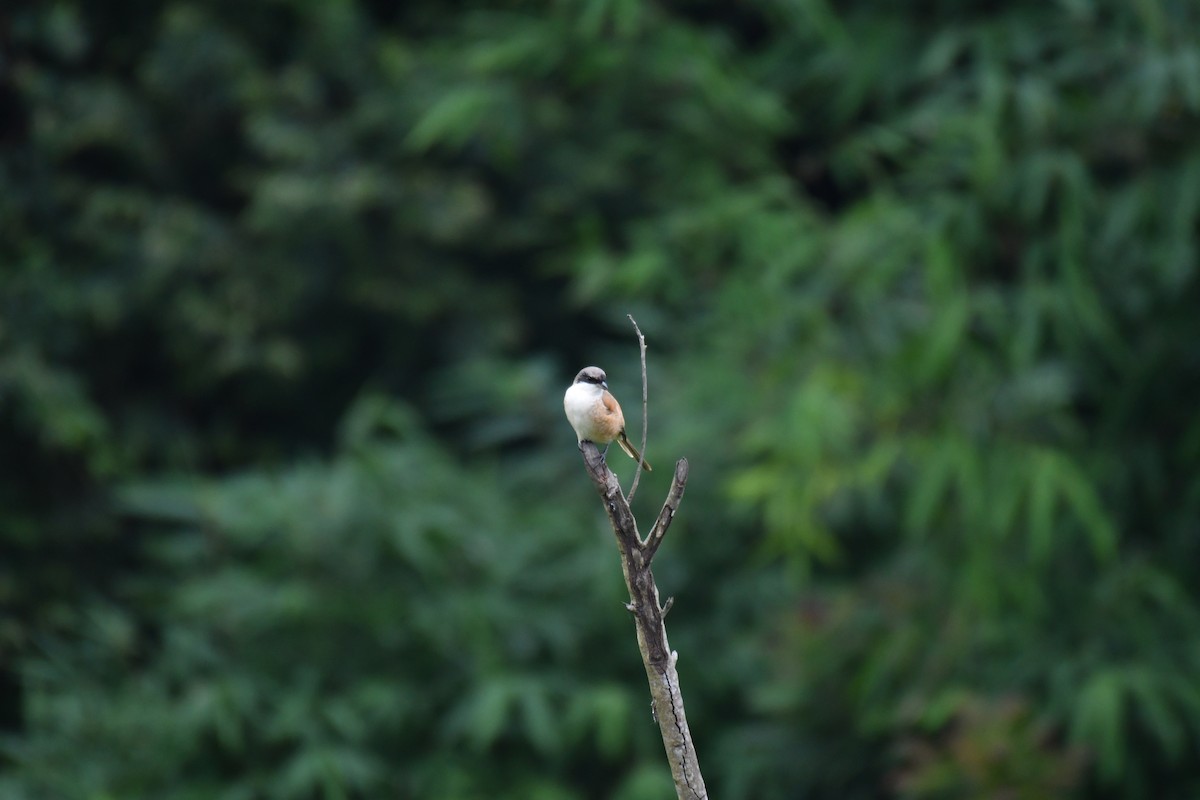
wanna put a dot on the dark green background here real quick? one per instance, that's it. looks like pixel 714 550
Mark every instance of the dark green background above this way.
pixel 290 292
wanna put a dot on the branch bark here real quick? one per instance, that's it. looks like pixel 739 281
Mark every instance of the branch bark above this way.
pixel 657 656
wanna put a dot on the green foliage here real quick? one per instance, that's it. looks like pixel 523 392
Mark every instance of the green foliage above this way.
pixel 290 292
pixel 364 626
pixel 990 750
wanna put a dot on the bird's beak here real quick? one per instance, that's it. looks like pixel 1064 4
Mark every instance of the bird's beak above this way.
pixel 604 384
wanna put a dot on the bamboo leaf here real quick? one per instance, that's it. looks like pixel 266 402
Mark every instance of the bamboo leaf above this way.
pixel 453 119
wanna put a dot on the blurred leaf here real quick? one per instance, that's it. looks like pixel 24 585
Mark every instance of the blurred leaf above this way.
pixel 454 118
pixel 1098 721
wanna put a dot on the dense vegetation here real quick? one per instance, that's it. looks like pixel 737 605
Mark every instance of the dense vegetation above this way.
pixel 289 294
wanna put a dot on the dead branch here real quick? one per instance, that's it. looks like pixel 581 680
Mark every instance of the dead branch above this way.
pixel 657 655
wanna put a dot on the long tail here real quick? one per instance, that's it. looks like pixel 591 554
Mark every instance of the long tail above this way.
pixel 628 447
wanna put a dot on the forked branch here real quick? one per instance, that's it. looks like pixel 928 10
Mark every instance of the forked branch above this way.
pixel 636 557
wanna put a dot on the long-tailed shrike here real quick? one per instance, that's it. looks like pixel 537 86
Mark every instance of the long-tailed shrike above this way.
pixel 595 414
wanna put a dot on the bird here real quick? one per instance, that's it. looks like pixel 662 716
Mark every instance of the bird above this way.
pixel 596 415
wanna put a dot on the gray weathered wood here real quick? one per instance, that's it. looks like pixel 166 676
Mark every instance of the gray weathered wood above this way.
pixel 657 656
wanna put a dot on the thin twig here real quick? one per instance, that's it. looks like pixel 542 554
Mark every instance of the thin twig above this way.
pixel 645 420
pixel 670 506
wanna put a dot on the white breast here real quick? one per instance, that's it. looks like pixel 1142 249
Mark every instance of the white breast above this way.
pixel 579 402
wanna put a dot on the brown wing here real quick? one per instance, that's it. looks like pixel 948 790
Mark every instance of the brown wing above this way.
pixel 616 420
